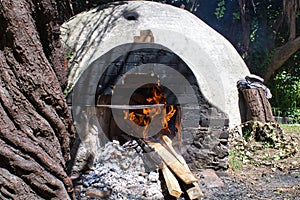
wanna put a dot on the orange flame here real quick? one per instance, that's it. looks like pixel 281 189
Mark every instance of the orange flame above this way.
pixel 148 114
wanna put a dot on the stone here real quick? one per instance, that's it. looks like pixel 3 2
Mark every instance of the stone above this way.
pixel 153 177
pixel 220 150
pixel 92 193
pixel 211 179
pixel 224 135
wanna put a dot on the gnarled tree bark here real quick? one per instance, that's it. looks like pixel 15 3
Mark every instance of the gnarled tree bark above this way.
pixel 36 129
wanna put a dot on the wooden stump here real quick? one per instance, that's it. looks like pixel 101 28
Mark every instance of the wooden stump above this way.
pixel 258 106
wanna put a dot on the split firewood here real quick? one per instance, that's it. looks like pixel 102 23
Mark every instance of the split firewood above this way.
pixel 171 182
pixel 194 191
pixel 168 142
pixel 174 164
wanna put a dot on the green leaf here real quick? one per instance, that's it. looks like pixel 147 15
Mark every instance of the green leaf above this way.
pixel 276 157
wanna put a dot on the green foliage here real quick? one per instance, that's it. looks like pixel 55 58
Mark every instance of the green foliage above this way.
pixel 220 9
pixel 286 92
pixel 254 29
pixel 268 58
pixel 234 160
pixel 262 144
pixel 236 15
pixel 70 55
pixel 298 13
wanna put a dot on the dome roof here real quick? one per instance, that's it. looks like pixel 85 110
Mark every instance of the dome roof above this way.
pixel 213 60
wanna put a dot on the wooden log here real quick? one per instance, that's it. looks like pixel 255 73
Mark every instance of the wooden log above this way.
pixel 171 182
pixel 174 164
pixel 258 106
pixel 194 191
pixel 168 142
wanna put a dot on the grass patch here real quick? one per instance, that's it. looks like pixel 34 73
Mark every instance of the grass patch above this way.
pixel 291 128
pixel 234 160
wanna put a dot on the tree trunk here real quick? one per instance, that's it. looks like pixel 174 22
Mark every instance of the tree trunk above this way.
pixel 258 106
pixel 290 8
pixel 245 25
pixel 36 129
pixel 283 53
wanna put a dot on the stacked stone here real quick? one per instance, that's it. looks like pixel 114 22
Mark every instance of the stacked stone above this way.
pixel 209 146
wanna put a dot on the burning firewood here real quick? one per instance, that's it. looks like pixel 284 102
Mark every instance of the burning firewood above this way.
pixel 178 177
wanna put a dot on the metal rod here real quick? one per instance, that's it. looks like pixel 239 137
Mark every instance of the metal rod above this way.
pixel 131 106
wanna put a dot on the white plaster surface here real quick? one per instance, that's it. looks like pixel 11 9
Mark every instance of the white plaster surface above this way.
pixel 213 60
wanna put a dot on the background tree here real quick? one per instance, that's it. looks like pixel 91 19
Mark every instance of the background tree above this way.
pixel 267 36
pixel 36 129
pixel 291 44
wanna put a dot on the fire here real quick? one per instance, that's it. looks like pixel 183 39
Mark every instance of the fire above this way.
pixel 170 114
pixel 146 115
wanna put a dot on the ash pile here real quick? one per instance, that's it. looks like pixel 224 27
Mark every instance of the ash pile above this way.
pixel 118 173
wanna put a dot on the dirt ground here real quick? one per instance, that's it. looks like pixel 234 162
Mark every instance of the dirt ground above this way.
pixel 259 171
pixel 264 165
pixel 256 183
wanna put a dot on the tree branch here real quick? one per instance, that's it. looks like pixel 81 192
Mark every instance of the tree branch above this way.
pixel 281 56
